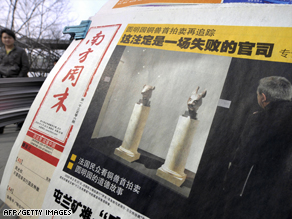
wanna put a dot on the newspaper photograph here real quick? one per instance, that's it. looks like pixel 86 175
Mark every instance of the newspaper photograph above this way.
pixel 149 118
pixel 118 153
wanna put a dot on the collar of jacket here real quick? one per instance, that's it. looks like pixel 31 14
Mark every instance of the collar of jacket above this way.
pixel 276 104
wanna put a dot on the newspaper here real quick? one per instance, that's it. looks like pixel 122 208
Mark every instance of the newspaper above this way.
pixel 126 3
pixel 140 119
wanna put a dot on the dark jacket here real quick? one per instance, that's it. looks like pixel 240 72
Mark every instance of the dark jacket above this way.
pixel 15 64
pixel 258 182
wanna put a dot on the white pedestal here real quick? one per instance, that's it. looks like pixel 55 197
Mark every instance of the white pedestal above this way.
pixel 173 168
pixel 129 147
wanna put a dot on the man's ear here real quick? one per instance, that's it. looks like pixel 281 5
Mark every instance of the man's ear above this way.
pixel 264 98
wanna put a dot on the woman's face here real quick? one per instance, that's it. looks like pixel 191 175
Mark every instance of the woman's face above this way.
pixel 7 40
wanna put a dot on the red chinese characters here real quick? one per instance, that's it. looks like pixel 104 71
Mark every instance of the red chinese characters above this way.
pixel 97 39
pixel 84 55
pixel 62 98
pixel 74 73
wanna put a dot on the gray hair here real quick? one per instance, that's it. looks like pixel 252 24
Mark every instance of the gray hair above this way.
pixel 275 88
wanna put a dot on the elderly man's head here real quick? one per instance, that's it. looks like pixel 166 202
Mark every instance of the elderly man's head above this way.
pixel 273 89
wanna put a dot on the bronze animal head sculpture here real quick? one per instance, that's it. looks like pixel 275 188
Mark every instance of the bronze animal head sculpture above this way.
pixel 146 95
pixel 195 101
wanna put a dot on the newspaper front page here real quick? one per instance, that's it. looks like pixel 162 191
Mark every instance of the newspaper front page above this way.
pixel 142 118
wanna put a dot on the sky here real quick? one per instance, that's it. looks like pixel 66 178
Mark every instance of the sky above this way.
pixel 82 10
